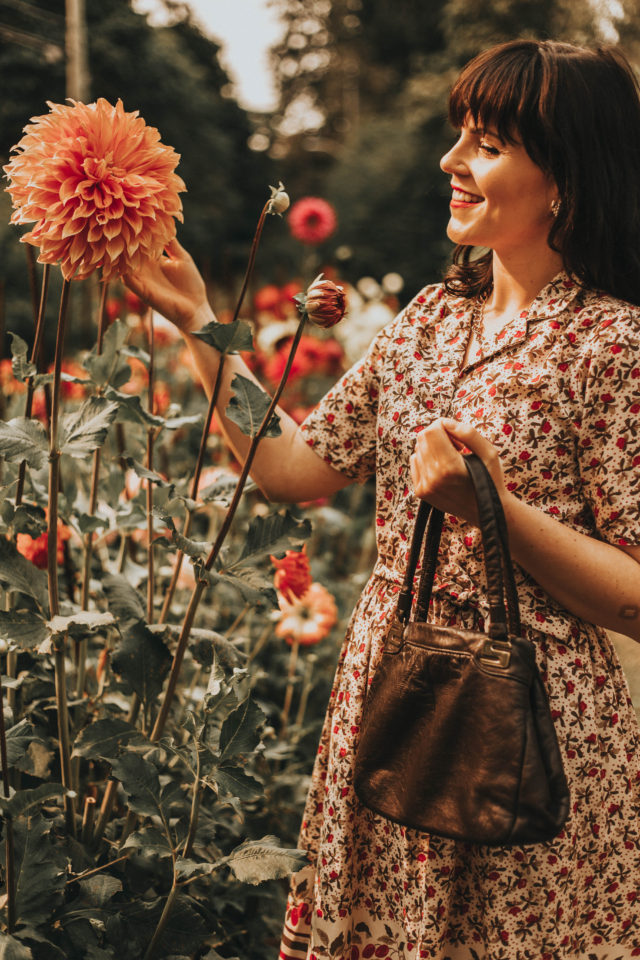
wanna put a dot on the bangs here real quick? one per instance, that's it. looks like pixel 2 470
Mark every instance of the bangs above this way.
pixel 504 91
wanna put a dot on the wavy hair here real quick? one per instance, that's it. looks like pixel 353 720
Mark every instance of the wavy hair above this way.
pixel 577 113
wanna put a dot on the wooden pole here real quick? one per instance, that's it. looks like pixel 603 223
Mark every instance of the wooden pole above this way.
pixel 76 50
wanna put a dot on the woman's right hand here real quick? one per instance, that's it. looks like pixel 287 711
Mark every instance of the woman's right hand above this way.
pixel 173 286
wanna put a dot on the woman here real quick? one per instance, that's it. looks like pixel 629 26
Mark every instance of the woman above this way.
pixel 527 356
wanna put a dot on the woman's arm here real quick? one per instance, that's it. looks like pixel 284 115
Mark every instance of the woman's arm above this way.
pixel 596 581
pixel 285 468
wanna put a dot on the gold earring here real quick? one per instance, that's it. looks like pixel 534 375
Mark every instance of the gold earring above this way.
pixel 555 208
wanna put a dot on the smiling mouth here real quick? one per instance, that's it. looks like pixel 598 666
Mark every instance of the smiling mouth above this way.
pixel 460 198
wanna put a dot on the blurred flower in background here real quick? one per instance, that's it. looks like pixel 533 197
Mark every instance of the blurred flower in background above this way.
pixel 308 619
pixel 293 573
pixel 312 220
pixel 35 548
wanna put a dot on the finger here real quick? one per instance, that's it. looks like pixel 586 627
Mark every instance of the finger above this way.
pixel 175 250
pixel 466 435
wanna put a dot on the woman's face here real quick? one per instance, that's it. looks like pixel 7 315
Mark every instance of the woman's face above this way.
pixel 501 198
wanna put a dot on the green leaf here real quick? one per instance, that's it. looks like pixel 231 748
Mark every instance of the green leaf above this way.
pixel 89 523
pixel 86 429
pixel 240 732
pixel 258 860
pixel 252 584
pixel 271 535
pixel 80 624
pixel 149 840
pixel 104 365
pixel 24 628
pixel 124 601
pixel 21 575
pixel 21 367
pixel 222 490
pixel 24 439
pixel 19 737
pixel 131 409
pixel 248 408
pixel 142 660
pixel 29 518
pixel 232 780
pixel 186 869
pixel 40 870
pixel 23 800
pixel 106 738
pixel 144 474
pixel 12 949
pixel 177 423
pixel 98 890
pixel 140 782
pixel 227 337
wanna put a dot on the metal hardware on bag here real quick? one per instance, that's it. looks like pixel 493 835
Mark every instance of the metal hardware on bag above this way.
pixel 495 653
pixel 395 637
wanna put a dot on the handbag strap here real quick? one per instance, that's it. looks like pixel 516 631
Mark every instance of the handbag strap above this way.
pixel 504 619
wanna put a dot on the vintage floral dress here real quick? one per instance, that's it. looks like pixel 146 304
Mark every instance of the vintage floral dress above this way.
pixel 558 393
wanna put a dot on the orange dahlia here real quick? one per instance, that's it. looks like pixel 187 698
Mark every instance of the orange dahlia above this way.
pixel 99 186
pixel 308 619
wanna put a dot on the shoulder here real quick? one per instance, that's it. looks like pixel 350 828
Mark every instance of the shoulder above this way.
pixel 610 324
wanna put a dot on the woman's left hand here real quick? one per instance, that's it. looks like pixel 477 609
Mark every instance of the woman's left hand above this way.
pixel 438 472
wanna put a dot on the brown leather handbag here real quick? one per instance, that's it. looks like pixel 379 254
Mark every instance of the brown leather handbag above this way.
pixel 456 736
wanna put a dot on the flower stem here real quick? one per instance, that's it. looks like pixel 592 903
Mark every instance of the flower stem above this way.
pixel 112 786
pixel 162 922
pixel 288 696
pixel 35 353
pixel 195 807
pixel 150 440
pixel 8 839
pixel 81 649
pixel 52 562
pixel 195 483
pixel 252 259
pixel 215 550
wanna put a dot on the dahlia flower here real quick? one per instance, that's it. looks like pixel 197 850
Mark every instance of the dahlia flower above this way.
pixel 312 220
pixel 99 186
pixel 35 548
pixel 293 574
pixel 308 619
pixel 324 302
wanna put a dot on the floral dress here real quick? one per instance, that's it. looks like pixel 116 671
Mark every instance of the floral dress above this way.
pixel 557 391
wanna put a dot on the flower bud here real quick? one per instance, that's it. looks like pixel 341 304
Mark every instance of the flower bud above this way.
pixel 325 302
pixel 279 199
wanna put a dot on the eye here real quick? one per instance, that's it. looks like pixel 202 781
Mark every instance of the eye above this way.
pixel 489 149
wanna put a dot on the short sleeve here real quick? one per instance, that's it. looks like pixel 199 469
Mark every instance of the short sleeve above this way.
pixel 609 432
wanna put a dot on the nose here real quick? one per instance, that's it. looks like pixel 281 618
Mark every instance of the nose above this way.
pixel 453 160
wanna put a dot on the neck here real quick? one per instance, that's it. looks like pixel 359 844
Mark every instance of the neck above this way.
pixel 516 283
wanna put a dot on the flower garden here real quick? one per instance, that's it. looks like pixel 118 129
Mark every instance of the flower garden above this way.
pixel 168 637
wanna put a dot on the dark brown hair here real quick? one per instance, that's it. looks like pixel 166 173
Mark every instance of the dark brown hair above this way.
pixel 577 113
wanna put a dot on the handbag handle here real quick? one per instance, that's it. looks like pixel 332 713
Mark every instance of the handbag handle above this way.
pixel 503 595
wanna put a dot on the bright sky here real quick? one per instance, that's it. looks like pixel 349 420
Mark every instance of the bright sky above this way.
pixel 246 28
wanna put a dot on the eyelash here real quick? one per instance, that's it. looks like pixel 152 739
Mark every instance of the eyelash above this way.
pixel 491 151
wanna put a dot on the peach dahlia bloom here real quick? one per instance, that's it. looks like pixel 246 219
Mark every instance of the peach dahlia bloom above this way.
pixel 308 619
pixel 99 186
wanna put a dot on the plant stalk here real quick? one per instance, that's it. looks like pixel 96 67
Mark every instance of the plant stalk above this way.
pixel 52 563
pixel 215 550
pixel 35 354
pixel 195 808
pixel 111 789
pixel 150 439
pixel 8 824
pixel 162 922
pixel 288 696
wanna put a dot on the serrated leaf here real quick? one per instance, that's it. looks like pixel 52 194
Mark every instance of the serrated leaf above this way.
pixel 23 800
pixel 177 423
pixel 227 337
pixel 272 534
pixel 40 870
pixel 29 518
pixel 19 738
pixel 105 738
pixel 21 575
pixel 25 628
pixel 24 439
pixel 12 949
pixel 232 780
pixel 86 429
pixel 186 869
pixel 257 860
pixel 89 523
pixel 98 890
pixel 21 366
pixel 144 474
pixel 222 490
pixel 80 623
pixel 240 733
pixel 140 782
pixel 253 585
pixel 142 660
pixel 124 601
pixel 248 407
pixel 131 409
pixel 105 365
pixel 149 840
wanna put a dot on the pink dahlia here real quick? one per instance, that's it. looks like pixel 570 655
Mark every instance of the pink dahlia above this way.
pixel 99 186
pixel 312 220
pixel 293 573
